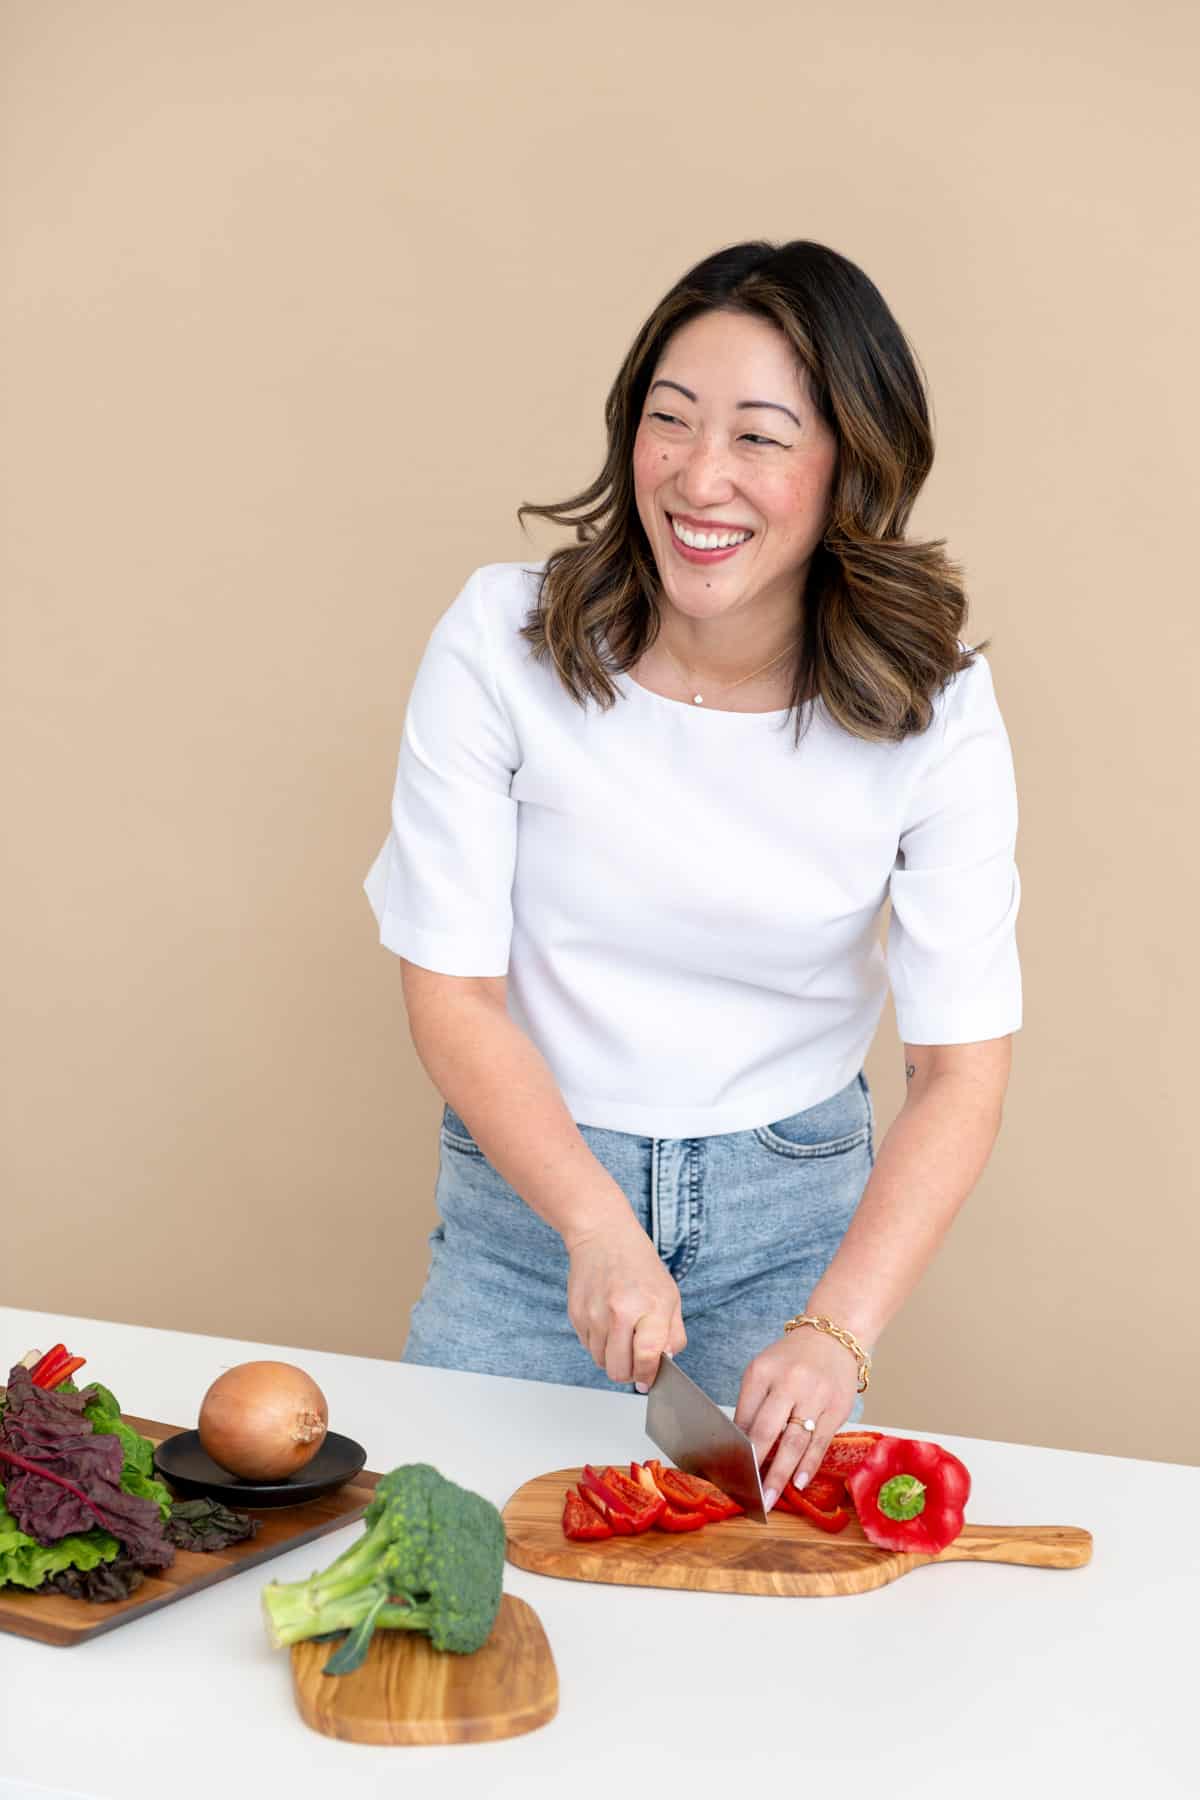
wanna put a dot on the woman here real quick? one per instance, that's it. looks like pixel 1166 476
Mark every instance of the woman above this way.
pixel 638 917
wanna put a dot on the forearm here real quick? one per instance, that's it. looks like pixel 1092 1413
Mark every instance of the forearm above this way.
pixel 500 1085
pixel 933 1154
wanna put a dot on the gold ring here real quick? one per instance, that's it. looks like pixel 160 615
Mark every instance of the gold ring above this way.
pixel 808 1424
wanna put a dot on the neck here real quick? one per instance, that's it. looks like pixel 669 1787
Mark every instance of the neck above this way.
pixel 722 659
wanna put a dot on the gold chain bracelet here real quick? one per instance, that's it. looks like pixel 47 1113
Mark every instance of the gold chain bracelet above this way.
pixel 843 1337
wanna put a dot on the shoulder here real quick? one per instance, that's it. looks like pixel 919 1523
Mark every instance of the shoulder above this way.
pixel 507 590
pixel 489 607
pixel 969 693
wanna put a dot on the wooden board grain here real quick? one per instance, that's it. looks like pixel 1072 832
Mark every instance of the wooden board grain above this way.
pixel 57 1619
pixel 406 1692
pixel 788 1555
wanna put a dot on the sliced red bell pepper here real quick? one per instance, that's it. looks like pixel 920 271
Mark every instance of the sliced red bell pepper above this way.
pixel 827 1492
pixel 57 1353
pixel 615 1511
pixel 691 1493
pixel 643 1507
pixel 673 1518
pixel 835 1520
pixel 714 1502
pixel 64 1371
pixel 910 1495
pixel 847 1450
pixel 582 1521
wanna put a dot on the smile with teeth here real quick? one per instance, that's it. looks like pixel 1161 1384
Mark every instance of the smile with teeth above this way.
pixel 708 540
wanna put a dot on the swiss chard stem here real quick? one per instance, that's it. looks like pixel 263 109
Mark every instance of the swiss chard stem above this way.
pixel 33 1468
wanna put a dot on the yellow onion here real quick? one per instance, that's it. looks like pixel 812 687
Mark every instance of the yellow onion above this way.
pixel 263 1420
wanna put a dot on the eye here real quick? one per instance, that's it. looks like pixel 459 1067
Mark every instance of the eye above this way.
pixel 752 437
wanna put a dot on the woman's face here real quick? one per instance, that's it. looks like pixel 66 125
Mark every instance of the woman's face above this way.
pixel 743 446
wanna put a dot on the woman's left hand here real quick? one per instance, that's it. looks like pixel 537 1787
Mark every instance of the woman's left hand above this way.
pixel 804 1375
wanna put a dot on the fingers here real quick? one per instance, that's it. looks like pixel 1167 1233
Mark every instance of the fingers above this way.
pixel 798 1456
pixel 772 1417
pixel 651 1336
pixel 624 1306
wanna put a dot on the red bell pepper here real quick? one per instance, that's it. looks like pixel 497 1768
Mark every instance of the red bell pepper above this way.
pixel 835 1519
pixel 827 1492
pixel 627 1509
pixel 676 1516
pixel 673 1518
pixel 692 1493
pixel 67 1369
pixel 593 1492
pixel 847 1450
pixel 55 1367
pixel 583 1521
pixel 910 1495
pixel 57 1353
pixel 643 1507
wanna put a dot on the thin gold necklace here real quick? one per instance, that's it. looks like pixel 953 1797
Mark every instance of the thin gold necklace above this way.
pixel 727 688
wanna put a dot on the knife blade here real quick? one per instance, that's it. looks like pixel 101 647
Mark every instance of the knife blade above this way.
pixel 694 1432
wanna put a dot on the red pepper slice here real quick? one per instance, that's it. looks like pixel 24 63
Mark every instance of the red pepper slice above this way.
pixel 826 1492
pixel 828 1521
pixel 644 1507
pixel 847 1450
pixel 616 1516
pixel 582 1521
pixel 56 1354
pixel 675 1519
pixel 67 1369
pixel 715 1502
pixel 591 1479
pixel 691 1493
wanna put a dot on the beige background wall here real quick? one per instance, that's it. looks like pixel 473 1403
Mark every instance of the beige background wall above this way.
pixel 299 303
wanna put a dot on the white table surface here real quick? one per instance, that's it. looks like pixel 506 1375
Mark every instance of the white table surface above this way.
pixel 956 1680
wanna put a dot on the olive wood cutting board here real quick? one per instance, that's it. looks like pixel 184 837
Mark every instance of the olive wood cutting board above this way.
pixel 406 1692
pixel 57 1619
pixel 787 1555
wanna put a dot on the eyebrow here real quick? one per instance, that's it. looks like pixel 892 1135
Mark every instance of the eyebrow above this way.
pixel 741 405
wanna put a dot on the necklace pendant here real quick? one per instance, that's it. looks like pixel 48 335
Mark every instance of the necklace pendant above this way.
pixel 697 699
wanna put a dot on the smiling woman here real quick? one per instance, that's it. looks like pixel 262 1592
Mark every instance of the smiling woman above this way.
pixel 638 920
pixel 772 391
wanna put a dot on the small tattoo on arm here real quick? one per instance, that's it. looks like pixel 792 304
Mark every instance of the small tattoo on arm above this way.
pixel 910 1070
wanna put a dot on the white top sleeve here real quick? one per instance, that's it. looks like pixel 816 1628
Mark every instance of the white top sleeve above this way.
pixel 955 890
pixel 441 886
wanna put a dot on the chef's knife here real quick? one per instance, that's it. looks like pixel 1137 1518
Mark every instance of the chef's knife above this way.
pixel 697 1436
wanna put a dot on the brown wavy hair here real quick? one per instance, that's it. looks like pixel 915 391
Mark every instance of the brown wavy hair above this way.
pixel 882 616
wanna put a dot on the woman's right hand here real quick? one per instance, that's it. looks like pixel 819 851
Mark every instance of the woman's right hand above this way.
pixel 623 1304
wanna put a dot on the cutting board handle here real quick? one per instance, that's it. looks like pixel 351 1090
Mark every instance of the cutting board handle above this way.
pixel 1037 1546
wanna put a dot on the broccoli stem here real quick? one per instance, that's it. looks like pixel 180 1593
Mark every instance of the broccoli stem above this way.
pixel 295 1610
pixel 349 1579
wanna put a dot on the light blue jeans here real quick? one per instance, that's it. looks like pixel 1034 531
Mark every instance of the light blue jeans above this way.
pixel 747 1222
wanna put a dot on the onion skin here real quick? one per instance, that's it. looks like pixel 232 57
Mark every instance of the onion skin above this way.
pixel 263 1421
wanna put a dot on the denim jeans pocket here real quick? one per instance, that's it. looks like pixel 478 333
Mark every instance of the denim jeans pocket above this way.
pixel 455 1136
pixel 830 1128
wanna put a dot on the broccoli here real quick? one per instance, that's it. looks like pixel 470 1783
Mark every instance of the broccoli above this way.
pixel 431 1559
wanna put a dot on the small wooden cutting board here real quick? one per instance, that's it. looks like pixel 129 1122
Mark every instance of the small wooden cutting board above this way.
pixel 406 1692
pixel 787 1555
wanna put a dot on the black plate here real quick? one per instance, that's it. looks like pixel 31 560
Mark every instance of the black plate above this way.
pixel 192 1472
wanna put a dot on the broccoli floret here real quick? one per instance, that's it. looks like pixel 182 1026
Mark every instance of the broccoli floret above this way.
pixel 431 1559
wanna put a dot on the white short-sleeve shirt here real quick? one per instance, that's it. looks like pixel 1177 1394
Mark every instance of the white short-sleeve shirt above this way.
pixel 685 904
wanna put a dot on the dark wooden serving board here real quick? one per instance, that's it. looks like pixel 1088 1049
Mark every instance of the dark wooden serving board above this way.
pixel 787 1555
pixel 56 1619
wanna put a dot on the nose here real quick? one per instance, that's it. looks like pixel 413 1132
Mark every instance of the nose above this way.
pixel 704 480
